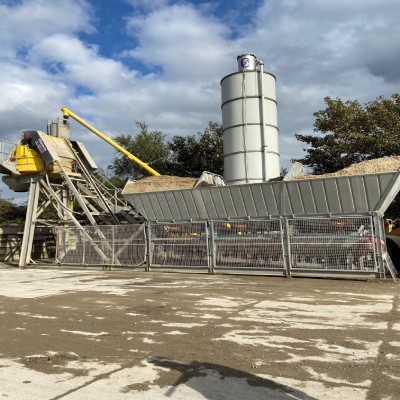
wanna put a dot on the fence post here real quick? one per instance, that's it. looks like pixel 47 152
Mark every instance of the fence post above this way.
pixel 211 246
pixel 286 246
pixel 379 237
pixel 113 245
pixel 149 246
pixel 83 240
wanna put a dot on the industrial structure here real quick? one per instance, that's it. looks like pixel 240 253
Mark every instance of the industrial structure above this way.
pixel 255 224
pixel 250 123
pixel 59 175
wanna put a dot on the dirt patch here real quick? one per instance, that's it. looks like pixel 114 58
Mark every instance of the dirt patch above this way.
pixel 384 164
pixel 159 183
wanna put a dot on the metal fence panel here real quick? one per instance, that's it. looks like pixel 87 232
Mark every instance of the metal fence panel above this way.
pixel 335 244
pixel 344 246
pixel 103 245
pixel 179 245
pixel 129 244
pixel 251 245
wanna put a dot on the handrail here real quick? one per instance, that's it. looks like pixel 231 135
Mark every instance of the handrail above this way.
pixel 6 148
pixel 69 113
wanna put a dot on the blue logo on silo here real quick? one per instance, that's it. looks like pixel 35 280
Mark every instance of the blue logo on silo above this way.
pixel 245 62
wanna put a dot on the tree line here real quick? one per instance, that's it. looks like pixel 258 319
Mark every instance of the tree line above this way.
pixel 344 133
pixel 186 156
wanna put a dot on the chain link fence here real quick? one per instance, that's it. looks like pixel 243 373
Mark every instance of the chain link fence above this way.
pixel 319 246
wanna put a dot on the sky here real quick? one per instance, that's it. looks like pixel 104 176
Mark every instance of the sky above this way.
pixel 114 62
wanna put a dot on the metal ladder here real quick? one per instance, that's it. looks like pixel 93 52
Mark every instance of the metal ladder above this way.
pixel 388 263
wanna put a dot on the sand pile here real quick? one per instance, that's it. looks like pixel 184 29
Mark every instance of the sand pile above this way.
pixel 159 183
pixel 384 164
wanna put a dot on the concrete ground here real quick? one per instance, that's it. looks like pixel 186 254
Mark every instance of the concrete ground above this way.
pixel 92 334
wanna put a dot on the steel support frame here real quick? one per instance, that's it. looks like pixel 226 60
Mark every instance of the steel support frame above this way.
pixel 30 221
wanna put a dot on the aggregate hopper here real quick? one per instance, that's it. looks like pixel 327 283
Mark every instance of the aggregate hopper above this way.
pixel 319 197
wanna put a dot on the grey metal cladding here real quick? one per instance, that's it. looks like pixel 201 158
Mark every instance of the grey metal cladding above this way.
pixel 218 203
pixel 259 201
pixel 164 206
pixel 248 201
pixel 319 202
pixel 309 202
pixel 237 200
pixel 172 204
pixel 272 198
pixel 359 194
pixel 181 205
pixel 208 204
pixel 140 206
pixel 230 207
pixel 321 197
pixel 190 204
pixel 345 195
pixel 200 205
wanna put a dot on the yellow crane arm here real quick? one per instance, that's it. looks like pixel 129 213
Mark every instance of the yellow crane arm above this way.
pixel 69 113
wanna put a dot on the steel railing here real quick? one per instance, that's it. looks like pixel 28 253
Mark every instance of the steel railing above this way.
pixel 316 246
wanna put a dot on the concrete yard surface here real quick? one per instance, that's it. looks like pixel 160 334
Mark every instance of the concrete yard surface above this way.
pixel 93 334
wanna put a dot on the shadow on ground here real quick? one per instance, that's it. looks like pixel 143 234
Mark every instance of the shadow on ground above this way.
pixel 218 381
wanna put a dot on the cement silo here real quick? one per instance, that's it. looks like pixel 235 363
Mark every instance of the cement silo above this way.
pixel 249 121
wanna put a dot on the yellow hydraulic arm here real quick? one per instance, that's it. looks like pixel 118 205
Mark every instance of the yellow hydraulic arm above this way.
pixel 69 113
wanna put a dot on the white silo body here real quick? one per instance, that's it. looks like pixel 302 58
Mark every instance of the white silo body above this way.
pixel 249 122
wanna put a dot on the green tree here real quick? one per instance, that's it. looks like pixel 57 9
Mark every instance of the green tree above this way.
pixel 182 156
pixel 148 146
pixel 191 155
pixel 348 133
pixel 11 213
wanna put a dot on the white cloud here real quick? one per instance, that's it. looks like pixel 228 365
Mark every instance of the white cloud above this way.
pixel 81 64
pixel 29 21
pixel 179 52
pixel 185 43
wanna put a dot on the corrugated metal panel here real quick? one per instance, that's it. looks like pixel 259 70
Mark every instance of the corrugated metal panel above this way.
pixel 344 195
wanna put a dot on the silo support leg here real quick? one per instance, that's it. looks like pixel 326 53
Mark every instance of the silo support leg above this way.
pixel 29 229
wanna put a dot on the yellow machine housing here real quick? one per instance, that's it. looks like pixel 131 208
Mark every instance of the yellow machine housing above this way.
pixel 38 154
pixel 28 161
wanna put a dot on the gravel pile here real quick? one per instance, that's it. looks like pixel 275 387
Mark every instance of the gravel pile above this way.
pixel 159 183
pixel 385 164
pixel 168 182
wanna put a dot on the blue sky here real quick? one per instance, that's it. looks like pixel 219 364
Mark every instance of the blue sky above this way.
pixel 119 61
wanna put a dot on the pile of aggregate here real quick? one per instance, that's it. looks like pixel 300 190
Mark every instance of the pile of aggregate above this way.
pixel 159 183
pixel 384 164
